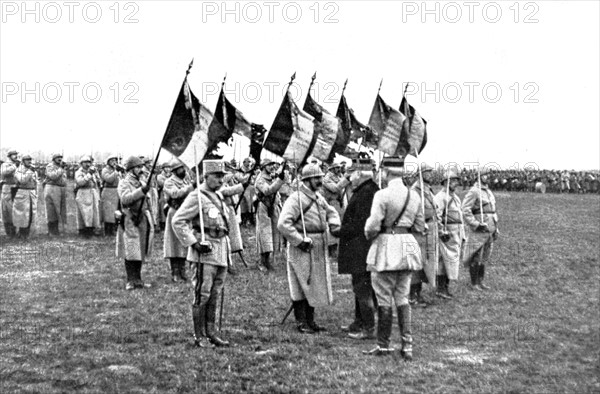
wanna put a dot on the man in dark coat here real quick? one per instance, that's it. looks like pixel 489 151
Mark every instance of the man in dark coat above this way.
pixel 354 248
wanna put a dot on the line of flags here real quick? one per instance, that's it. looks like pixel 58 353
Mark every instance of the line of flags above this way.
pixel 194 133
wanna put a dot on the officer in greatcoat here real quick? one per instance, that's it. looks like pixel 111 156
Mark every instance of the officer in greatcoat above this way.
pixel 175 190
pixel 334 184
pixel 25 202
pixel 135 232
pixel 9 182
pixel 304 221
pixel 111 174
pixel 354 248
pixel 55 194
pixel 395 216
pixel 209 253
pixel 86 197
pixel 481 218
pixel 452 235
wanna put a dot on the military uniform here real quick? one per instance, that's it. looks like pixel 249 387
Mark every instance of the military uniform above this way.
pixel 354 248
pixel 25 203
pixel 333 192
pixel 7 177
pixel 480 240
pixel 110 197
pixel 428 243
pixel 55 196
pixel 394 254
pixel 162 201
pixel 450 213
pixel 210 267
pixel 175 191
pixel 88 203
pixel 136 232
pixel 309 271
pixel 267 214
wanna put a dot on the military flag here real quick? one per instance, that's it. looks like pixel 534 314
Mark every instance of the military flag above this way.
pixel 257 140
pixel 414 131
pixel 326 128
pixel 227 120
pixel 292 132
pixel 188 128
pixel 387 123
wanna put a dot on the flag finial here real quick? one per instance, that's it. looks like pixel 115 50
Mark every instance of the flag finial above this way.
pixel 405 89
pixel 380 83
pixel 224 78
pixel 312 81
pixel 344 88
pixel 189 67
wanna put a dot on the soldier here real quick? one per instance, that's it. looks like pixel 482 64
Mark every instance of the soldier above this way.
pixel 334 184
pixel 267 187
pixel 452 234
pixel 176 188
pixel 8 180
pixel 309 271
pixel 209 256
pixel 429 242
pixel 55 194
pixel 135 232
pixel 25 201
pixel 160 182
pixel 247 204
pixel 483 229
pixel 354 248
pixel 86 197
pixel 394 254
pixel 153 192
pixel 111 174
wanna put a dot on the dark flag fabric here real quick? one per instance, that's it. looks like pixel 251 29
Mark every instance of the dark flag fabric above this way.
pixel 187 132
pixel 256 141
pixel 356 129
pixel 326 128
pixel 292 132
pixel 387 123
pixel 414 131
pixel 228 120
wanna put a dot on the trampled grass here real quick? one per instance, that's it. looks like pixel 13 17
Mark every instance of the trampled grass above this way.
pixel 68 325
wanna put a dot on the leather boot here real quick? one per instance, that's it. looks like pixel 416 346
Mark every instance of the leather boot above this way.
pixel 130 271
pixel 211 318
pixel 199 320
pixel 481 275
pixel 53 229
pixel 300 315
pixel 474 273
pixel 24 232
pixel 384 331
pixel 267 261
pixel 138 282
pixel 174 270
pixel 310 318
pixel 10 230
pixel 448 288
pixel 367 312
pixel 356 325
pixel 404 323
pixel 182 273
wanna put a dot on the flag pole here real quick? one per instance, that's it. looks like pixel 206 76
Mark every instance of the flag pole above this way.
pixel 480 193
pixel 202 235
pixel 187 72
pixel 421 183
pixel 447 200
pixel 299 201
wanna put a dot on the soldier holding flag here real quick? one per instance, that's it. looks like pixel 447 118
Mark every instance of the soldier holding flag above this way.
pixel 86 197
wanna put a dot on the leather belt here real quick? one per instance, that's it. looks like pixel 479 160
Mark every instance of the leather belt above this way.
pixel 449 223
pixel 484 212
pixel 213 232
pixel 396 230
pixel 315 232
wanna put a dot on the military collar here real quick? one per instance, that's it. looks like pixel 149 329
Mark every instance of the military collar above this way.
pixel 309 193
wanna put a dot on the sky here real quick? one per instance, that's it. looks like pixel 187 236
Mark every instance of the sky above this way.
pixel 511 83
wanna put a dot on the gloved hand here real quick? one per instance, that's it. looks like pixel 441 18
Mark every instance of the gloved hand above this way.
pixel 283 168
pixel 246 181
pixel 496 234
pixel 306 245
pixel 482 228
pixel 445 237
pixel 203 247
pixel 336 231
pixel 145 188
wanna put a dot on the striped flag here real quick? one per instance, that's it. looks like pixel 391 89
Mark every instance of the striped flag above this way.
pixel 227 120
pixel 326 129
pixel 292 131
pixel 188 128
pixel 414 130
pixel 387 123
pixel 353 127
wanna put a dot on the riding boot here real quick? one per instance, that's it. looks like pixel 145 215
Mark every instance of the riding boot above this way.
pixel 481 275
pixel 182 273
pixel 474 273
pixel 367 312
pixel 266 261
pixel 199 320
pixel 107 230
pixel 130 271
pixel 356 325
pixel 404 323
pixel 174 270
pixel 300 316
pixel 139 283
pixel 10 230
pixel 211 318
pixel 24 232
pixel 310 318
pixel 384 331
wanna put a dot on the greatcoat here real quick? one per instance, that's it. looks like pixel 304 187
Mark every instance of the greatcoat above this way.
pixel 88 204
pixel 55 193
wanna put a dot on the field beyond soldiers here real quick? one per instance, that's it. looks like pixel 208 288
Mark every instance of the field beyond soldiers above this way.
pixel 68 325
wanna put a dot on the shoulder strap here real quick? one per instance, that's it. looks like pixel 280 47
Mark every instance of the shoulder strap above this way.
pixel 220 207
pixel 403 209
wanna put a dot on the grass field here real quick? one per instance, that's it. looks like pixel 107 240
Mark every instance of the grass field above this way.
pixel 68 325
